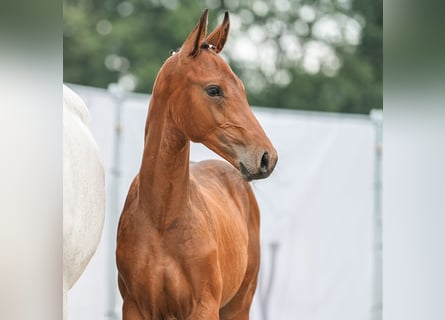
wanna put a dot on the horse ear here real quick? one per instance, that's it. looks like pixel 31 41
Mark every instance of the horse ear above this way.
pixel 218 37
pixel 192 44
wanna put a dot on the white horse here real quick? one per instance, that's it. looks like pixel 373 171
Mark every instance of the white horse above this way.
pixel 83 191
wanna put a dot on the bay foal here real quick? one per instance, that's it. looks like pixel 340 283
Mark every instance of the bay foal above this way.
pixel 188 237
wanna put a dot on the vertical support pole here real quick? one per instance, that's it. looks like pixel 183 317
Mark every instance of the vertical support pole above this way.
pixel 117 93
pixel 264 292
pixel 377 303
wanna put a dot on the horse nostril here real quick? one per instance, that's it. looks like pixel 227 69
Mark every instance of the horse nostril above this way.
pixel 264 165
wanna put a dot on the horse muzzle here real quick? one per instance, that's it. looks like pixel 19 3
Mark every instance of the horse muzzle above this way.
pixel 260 170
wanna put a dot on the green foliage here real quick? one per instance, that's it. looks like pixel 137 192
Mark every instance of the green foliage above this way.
pixel 108 40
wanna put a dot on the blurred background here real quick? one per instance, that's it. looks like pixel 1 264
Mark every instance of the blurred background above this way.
pixel 321 55
pixel 321 209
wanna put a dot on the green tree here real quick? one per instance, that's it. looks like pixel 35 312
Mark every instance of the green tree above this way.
pixel 313 55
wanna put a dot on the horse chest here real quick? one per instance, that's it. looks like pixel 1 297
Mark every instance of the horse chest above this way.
pixel 166 290
pixel 201 256
pixel 170 280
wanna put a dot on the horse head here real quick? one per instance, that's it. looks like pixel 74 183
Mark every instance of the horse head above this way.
pixel 207 102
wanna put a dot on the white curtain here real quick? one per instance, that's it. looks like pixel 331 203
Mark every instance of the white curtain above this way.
pixel 316 211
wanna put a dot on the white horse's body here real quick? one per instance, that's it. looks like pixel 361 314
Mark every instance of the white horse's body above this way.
pixel 83 190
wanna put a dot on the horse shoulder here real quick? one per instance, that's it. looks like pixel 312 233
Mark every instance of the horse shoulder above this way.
pixel 218 181
pixel 233 213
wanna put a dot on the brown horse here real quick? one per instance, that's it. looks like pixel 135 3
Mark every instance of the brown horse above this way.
pixel 188 237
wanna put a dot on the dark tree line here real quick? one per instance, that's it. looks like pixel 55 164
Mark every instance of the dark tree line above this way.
pixel 313 55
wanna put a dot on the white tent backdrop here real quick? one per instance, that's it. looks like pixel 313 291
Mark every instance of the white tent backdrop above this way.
pixel 317 211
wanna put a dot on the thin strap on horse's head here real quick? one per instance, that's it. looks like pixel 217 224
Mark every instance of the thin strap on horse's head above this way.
pixel 206 45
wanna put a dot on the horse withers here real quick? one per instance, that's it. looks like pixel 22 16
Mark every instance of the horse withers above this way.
pixel 188 238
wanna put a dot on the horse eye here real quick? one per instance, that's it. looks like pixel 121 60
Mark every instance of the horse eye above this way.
pixel 214 91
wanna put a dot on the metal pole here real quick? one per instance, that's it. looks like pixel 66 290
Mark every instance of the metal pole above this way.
pixel 377 303
pixel 117 92
pixel 265 289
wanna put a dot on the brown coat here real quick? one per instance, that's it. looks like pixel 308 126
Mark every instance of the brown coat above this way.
pixel 188 237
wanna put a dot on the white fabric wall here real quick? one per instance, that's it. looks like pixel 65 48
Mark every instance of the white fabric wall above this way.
pixel 316 209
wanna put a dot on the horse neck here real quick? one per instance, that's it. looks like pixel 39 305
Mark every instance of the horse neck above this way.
pixel 164 180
